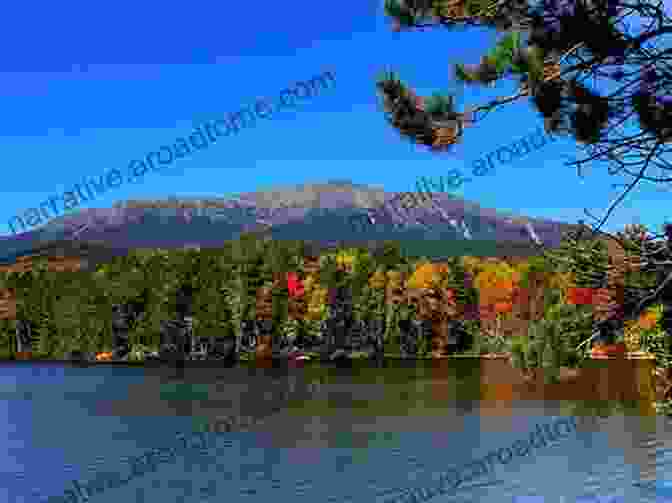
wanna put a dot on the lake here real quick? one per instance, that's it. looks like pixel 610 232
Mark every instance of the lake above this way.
pixel 318 433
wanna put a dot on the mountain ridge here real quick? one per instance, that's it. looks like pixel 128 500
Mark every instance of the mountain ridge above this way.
pixel 328 213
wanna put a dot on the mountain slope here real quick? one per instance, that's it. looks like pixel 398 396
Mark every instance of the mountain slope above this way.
pixel 326 214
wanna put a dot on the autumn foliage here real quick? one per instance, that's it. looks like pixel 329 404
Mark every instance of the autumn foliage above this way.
pixel 427 275
pixel 580 296
pixel 498 284
pixel 294 285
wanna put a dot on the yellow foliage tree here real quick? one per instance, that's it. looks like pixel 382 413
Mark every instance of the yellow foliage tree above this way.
pixel 316 296
pixel 471 264
pixel 378 280
pixel 346 260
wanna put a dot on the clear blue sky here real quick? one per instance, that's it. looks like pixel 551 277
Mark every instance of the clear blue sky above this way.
pixel 87 87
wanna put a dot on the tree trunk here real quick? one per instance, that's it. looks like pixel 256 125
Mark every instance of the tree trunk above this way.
pixel 24 337
pixel 341 318
pixel 175 343
pixel 247 341
pixel 264 349
pixel 412 331
pixel 120 330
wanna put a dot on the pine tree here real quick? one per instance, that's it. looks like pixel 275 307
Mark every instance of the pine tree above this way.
pixel 553 49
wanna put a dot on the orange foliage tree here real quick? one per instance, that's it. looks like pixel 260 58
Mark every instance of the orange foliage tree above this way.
pixel 497 284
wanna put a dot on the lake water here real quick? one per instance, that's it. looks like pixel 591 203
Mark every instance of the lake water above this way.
pixel 328 434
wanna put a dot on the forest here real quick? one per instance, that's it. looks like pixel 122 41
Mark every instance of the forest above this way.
pixel 270 298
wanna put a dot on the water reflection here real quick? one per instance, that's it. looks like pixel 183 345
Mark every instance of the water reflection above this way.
pixel 342 433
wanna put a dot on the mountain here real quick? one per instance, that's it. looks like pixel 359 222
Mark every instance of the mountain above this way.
pixel 327 214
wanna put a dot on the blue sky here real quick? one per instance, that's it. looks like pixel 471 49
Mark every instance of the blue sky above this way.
pixel 91 87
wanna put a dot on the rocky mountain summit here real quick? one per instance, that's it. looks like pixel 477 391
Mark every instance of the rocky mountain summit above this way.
pixel 337 212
